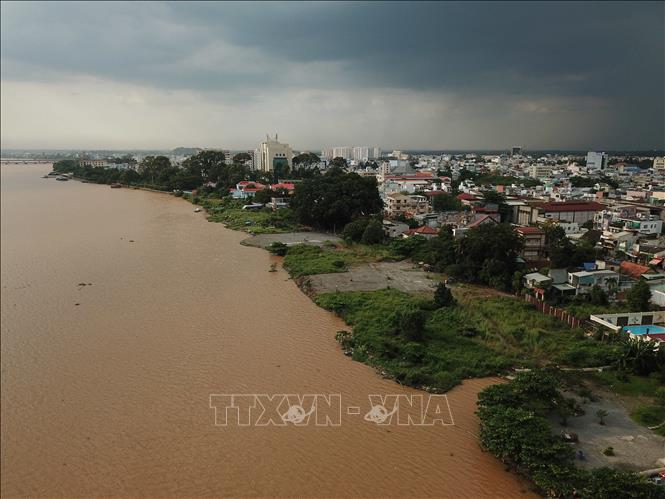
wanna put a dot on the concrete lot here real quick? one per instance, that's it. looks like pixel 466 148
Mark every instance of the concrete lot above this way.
pixel 636 448
pixel 290 238
pixel 373 276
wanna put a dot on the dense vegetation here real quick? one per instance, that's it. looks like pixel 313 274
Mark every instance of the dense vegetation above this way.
pixel 461 339
pixel 332 200
pixel 258 221
pixel 205 168
pixel 514 427
pixel 305 259
pixel 404 335
pixel 487 254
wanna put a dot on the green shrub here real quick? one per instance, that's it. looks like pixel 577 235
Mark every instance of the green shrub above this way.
pixel 277 248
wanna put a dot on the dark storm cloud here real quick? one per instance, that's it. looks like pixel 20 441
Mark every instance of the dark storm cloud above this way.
pixel 610 54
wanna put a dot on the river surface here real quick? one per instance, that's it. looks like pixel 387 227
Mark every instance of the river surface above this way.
pixel 106 387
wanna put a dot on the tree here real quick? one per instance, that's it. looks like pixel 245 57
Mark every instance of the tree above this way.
pixel 487 254
pixel 597 296
pixel 353 231
pixel 332 200
pixel 443 296
pixel 494 197
pixel 639 296
pixel 306 159
pixel 338 162
pixel 601 414
pixel 410 323
pixel 606 483
pixel 241 158
pixel 446 202
pixel 373 233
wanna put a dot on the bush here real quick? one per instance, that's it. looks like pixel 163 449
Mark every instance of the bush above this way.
pixel 278 248
pixel 373 233
pixel 353 231
pixel 443 297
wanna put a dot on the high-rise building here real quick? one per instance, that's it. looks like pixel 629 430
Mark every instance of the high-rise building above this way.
pixel 345 152
pixel 596 161
pixel 272 154
pixel 516 150
pixel 361 153
pixel 327 153
pixel 659 163
pixel 376 153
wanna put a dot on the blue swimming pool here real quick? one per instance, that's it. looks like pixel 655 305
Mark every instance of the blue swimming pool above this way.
pixel 650 329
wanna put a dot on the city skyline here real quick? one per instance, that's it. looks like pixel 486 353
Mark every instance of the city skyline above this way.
pixel 443 76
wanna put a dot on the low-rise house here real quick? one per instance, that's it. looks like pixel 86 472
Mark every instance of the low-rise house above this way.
pixel 246 189
pixel 407 205
pixel 276 203
pixel 570 211
pixel 583 281
pixel 537 280
pixel 633 270
pixel 425 231
pixel 392 228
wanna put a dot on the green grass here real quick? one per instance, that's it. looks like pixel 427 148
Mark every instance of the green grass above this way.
pixel 441 359
pixel 630 385
pixel 650 416
pixel 584 310
pixel 306 259
pixel 303 259
pixel 514 328
pixel 475 338
pixel 264 221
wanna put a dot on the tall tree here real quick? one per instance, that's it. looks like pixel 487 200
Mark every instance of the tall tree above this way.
pixel 639 296
pixel 332 200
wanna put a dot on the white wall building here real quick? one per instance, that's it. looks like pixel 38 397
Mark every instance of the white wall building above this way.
pixel 270 153
pixel 596 161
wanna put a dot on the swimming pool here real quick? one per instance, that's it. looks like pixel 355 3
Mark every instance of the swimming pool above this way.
pixel 650 329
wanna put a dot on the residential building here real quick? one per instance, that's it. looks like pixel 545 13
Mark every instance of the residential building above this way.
pixel 569 211
pixel 533 249
pixel 246 189
pixel 424 231
pixel 96 163
pixel 596 161
pixel 407 205
pixel 583 281
pixel 540 170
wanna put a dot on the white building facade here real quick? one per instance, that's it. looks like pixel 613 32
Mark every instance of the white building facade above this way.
pixel 271 153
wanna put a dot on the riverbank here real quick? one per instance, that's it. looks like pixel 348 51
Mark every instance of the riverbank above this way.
pixel 119 385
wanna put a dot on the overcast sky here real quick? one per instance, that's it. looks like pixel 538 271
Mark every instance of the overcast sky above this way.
pixel 399 75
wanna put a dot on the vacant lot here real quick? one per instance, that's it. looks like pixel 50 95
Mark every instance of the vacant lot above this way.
pixel 291 238
pixel 635 447
pixel 374 276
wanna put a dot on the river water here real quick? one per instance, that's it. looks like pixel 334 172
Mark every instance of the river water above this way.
pixel 106 387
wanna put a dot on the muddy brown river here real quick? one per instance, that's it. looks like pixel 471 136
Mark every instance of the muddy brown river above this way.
pixel 106 386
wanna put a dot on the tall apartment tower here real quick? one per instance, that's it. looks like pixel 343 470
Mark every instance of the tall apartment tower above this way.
pixel 596 161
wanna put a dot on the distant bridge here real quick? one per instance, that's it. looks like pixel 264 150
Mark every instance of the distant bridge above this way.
pixel 17 161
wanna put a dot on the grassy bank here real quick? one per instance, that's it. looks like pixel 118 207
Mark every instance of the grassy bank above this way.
pixel 306 259
pixel 400 333
pixel 423 346
pixel 262 221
